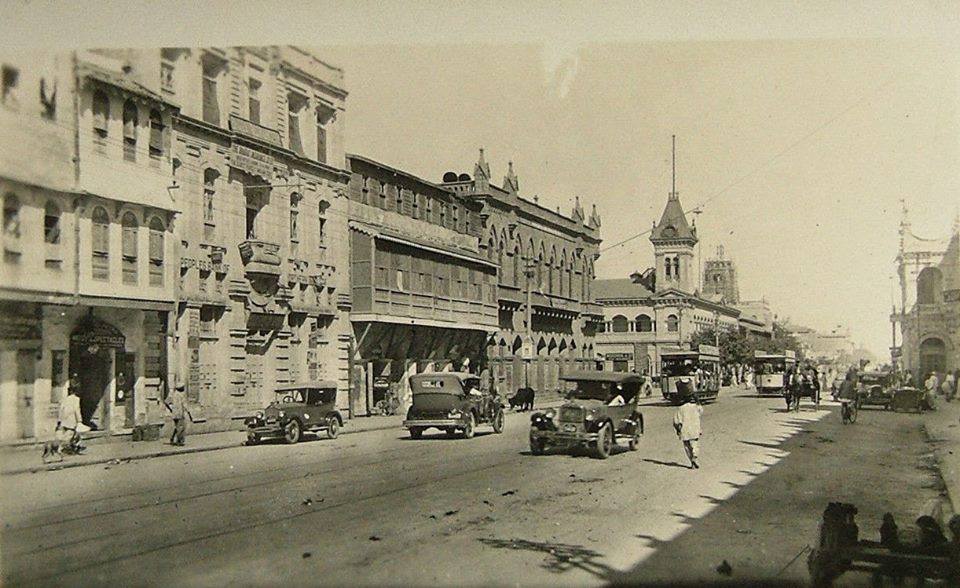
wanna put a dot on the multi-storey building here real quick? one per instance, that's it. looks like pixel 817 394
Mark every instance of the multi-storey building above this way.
pixel 547 317
pixel 720 279
pixel 658 309
pixel 259 169
pixel 929 315
pixel 424 297
pixel 89 258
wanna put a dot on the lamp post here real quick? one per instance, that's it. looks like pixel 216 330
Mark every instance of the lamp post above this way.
pixel 528 272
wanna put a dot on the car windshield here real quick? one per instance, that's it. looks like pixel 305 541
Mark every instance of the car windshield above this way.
pixel 605 391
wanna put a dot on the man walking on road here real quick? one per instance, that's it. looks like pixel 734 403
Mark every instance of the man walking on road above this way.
pixel 687 424
pixel 177 405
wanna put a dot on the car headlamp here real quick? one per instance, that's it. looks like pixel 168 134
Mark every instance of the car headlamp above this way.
pixel 550 413
pixel 454 413
pixel 590 416
pixel 259 414
pixel 280 414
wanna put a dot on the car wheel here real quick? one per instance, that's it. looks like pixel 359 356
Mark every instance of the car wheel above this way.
pixel 498 420
pixel 333 428
pixel 604 442
pixel 468 427
pixel 537 445
pixel 292 432
pixel 416 432
pixel 253 439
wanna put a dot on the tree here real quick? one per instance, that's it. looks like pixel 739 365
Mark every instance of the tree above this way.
pixel 737 347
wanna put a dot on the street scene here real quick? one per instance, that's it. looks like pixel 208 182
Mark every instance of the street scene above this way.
pixel 451 310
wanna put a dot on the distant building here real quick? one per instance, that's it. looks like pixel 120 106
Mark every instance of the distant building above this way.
pixel 929 314
pixel 720 279
pixel 659 309
pixel 547 315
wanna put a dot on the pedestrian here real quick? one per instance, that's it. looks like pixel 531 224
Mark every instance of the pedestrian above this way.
pixel 177 405
pixel 69 420
pixel 646 389
pixel 948 387
pixel 687 424
pixel 931 386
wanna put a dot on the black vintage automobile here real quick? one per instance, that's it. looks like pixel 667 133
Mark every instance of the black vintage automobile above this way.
pixel 600 409
pixel 451 402
pixel 302 407
pixel 876 389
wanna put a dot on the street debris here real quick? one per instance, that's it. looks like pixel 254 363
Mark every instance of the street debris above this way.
pixel 509 493
pixel 374 538
pixel 306 554
pixel 307 502
pixel 725 569
pixel 451 512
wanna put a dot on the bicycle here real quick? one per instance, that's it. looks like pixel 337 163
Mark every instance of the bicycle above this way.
pixel 848 411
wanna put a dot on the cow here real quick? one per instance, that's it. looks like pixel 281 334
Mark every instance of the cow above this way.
pixel 522 400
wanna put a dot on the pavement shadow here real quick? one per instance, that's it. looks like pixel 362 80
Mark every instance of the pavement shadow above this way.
pixel 674 464
pixel 560 557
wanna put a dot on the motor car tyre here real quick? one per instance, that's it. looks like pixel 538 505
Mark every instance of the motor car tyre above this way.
pixel 333 427
pixel 469 426
pixel 292 432
pixel 604 442
pixel 498 421
pixel 537 445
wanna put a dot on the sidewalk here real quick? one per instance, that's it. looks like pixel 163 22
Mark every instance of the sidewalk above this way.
pixel 27 459
pixel 943 430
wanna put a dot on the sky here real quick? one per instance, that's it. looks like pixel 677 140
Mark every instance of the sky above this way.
pixel 800 126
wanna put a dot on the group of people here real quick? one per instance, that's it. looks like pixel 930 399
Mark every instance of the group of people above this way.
pixel 799 382
pixel 944 386
pixel 71 426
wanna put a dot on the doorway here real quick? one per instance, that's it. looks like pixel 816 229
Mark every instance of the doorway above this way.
pixel 91 365
pixel 933 357
pixel 26 374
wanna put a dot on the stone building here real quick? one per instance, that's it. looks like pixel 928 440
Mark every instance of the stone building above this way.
pixel 88 276
pixel 720 279
pixel 547 317
pixel 929 315
pixel 424 298
pixel 659 309
pixel 263 273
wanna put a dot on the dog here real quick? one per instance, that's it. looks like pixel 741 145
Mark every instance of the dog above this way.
pixel 52 449
pixel 522 400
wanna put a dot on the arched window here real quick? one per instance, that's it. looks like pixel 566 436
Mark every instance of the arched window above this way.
pixel 100 239
pixel 643 324
pixel 156 251
pixel 668 268
pixel 51 223
pixel 129 248
pixel 156 134
pixel 929 286
pixel 516 266
pixel 550 276
pixel 130 122
pixel 210 176
pixel 491 246
pixel 673 324
pixel 676 268
pixel 101 114
pixel 294 213
pixel 11 216
pixel 619 324
pixel 502 264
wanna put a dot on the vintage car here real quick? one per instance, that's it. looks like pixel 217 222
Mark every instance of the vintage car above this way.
pixel 600 410
pixel 451 402
pixel 301 407
pixel 876 389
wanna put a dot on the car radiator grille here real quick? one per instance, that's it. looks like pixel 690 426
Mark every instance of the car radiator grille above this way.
pixel 571 414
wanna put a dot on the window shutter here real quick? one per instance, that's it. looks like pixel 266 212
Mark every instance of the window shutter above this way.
pixel 129 242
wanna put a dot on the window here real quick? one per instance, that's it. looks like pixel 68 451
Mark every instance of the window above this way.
pixel 620 324
pixel 253 210
pixel 321 232
pixel 443 214
pixel 456 218
pixel 156 134
pixel 58 374
pixel 101 244
pixel 295 105
pixel 676 268
pixel 323 117
pixel 383 195
pixel 253 100
pixel 129 130
pixel 51 223
pixel 294 203
pixel 400 281
pixel 10 84
pixel 672 323
pixel 101 114
pixel 210 176
pixel 156 251
pixel 644 324
pixel 48 99
pixel 11 216
pixel 129 248
pixel 166 76
pixel 399 199
pixel 429 214
pixel 208 320
pixel 929 286
pixel 209 91
pixel 667 266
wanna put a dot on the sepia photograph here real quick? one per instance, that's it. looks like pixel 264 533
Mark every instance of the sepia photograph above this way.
pixel 495 293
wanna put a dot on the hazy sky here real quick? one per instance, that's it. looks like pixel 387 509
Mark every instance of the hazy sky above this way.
pixel 801 125
pixel 800 149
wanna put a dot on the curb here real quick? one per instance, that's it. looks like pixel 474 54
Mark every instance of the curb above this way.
pixel 51 467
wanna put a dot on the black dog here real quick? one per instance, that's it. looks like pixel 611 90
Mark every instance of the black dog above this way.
pixel 522 399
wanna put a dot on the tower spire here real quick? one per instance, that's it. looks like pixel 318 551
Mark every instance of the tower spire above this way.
pixel 673 166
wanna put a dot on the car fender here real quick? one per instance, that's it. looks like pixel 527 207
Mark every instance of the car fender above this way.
pixel 335 414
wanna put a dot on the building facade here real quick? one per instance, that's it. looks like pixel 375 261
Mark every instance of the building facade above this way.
pixel 720 279
pixel 424 297
pixel 263 272
pixel 546 317
pixel 658 309
pixel 89 262
pixel 929 315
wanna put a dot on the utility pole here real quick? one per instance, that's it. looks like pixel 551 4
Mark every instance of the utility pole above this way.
pixel 529 273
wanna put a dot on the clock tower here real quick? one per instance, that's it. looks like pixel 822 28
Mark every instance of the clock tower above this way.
pixel 673 243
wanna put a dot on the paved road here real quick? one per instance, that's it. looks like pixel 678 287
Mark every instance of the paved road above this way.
pixel 379 508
